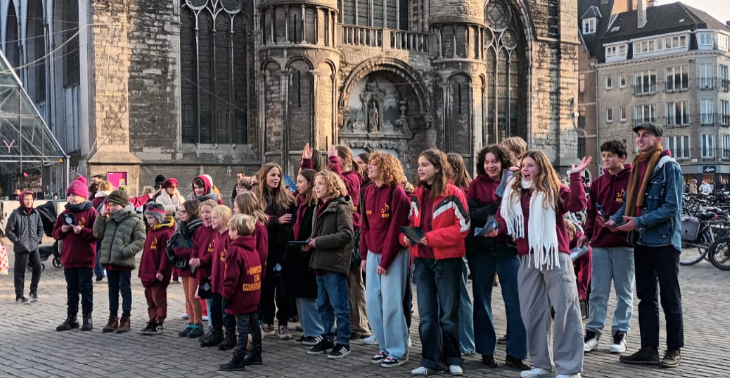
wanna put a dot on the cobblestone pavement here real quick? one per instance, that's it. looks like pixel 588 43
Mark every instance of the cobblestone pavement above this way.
pixel 30 346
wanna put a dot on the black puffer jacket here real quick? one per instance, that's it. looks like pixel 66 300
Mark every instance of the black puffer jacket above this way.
pixel 24 230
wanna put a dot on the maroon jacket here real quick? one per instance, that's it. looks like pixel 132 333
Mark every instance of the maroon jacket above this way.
pixel 381 222
pixel 79 250
pixel 261 233
pixel 483 192
pixel 608 191
pixel 573 200
pixel 352 180
pixel 243 276
pixel 217 262
pixel 203 245
pixel 186 253
pixel 154 260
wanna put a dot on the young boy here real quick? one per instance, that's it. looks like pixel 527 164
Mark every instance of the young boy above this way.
pixel 78 254
pixel 25 231
pixel 154 268
pixel 242 290
pixel 219 217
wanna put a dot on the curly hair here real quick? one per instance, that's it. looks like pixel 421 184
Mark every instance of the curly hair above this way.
pixel 391 170
pixel 615 147
pixel 248 203
pixel 499 152
pixel 459 175
pixel 105 186
pixel 279 196
pixel 334 185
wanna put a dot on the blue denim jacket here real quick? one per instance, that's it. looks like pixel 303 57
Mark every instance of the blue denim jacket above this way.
pixel 660 223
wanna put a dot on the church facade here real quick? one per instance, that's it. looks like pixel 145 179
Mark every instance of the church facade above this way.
pixel 185 87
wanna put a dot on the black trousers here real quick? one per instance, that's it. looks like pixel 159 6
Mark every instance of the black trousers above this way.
pixel 218 317
pixel 273 299
pixel 659 264
pixel 248 324
pixel 21 263
pixel 79 281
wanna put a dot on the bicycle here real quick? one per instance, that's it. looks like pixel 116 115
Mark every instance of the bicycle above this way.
pixel 697 237
pixel 719 253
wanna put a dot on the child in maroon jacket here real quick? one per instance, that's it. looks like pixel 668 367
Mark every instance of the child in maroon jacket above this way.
pixel 242 290
pixel 219 218
pixel 154 268
pixel 200 259
pixel 78 254
pixel 581 265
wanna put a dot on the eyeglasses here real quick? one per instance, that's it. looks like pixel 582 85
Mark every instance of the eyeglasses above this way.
pixel 182 212
pixel 174 187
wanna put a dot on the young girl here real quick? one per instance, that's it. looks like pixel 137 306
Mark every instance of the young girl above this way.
pixel 154 268
pixel 488 256
pixel 170 198
pixel 299 277
pixel 78 254
pixel 581 266
pixel 332 242
pixel 203 190
pixel 219 217
pixel 179 256
pixel 385 261
pixel 200 260
pixel 278 203
pixel 122 234
pixel 532 213
pixel 439 209
pixel 247 203
pixel 105 188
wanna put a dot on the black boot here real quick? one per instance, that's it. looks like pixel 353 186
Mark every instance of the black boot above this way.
pixel 215 338
pixel 235 364
pixel 645 356
pixel 88 325
pixel 70 323
pixel 253 359
pixel 229 341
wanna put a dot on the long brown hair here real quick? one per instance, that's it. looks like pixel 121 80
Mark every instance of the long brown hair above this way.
pixel 547 180
pixel 347 159
pixel 248 203
pixel 459 175
pixel 279 196
pixel 309 198
pixel 441 180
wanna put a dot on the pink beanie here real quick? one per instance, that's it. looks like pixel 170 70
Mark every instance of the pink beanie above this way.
pixel 78 188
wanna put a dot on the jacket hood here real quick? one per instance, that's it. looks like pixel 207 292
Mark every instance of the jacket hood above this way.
pixel 338 201
pixel 353 175
pixel 208 184
pixel 20 199
pixel 622 174
pixel 245 241
pixel 168 222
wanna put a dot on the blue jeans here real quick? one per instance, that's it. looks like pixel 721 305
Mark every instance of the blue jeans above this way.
pixel 98 269
pixel 466 312
pixel 333 301
pixel 384 302
pixel 437 285
pixel 309 317
pixel 609 264
pixel 506 264
pixel 120 280
pixel 208 305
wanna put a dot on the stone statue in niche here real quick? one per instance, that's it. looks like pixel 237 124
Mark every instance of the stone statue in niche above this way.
pixel 402 122
pixel 372 99
pixel 373 118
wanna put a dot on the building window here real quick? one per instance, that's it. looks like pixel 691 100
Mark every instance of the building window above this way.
pixel 609 115
pixel 725 145
pixel 677 113
pixel 609 82
pixel 679 145
pixel 645 82
pixel 214 74
pixel 707 145
pixel 677 78
pixel 615 50
pixel 622 81
pixel 645 47
pixel 722 41
pixel 589 25
pixel 644 114
pixel 704 39
pixel 706 75
pixel 724 79
pixel 673 42
pixel 623 113
pixel 724 112
pixel 707 112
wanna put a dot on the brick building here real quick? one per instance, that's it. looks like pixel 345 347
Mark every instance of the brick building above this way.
pixel 185 87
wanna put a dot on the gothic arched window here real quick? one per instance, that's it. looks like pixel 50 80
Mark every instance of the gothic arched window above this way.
pixel 11 37
pixel 505 44
pixel 373 12
pixel 214 66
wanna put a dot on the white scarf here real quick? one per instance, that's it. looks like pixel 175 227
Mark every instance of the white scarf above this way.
pixel 541 226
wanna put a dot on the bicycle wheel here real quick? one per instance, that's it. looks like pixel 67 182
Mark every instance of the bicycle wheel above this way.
pixel 694 252
pixel 719 254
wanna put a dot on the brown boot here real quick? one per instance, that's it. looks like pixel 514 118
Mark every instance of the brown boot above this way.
pixel 124 324
pixel 111 325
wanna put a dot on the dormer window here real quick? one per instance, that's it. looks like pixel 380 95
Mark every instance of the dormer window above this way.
pixel 589 25
pixel 704 39
pixel 722 41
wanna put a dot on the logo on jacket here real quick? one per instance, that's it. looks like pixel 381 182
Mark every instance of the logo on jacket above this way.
pixel 620 196
pixel 82 222
pixel 254 271
pixel 210 247
pixel 385 211
pixel 154 244
pixel 224 253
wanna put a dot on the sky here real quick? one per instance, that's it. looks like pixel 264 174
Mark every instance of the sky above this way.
pixel 720 9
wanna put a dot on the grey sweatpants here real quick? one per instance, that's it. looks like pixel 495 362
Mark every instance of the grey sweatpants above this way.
pixel 537 290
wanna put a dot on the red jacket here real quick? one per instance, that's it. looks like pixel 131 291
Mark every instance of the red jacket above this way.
pixel 261 234
pixel 154 260
pixel 449 226
pixel 385 210
pixel 203 245
pixel 79 250
pixel 608 191
pixel 218 260
pixel 243 276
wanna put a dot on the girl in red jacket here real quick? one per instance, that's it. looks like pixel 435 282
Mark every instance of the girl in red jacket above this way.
pixel 154 268
pixel 439 210
pixel 532 213
pixel 179 255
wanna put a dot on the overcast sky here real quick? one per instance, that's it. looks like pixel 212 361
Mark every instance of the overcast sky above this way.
pixel 720 9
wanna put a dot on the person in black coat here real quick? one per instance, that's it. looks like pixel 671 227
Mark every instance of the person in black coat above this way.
pixel 25 231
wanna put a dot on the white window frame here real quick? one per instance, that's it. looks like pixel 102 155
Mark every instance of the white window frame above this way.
pixel 707 146
pixel 623 113
pixel 609 115
pixel 589 25
pixel 679 145
pixel 621 81
pixel 670 78
pixel 704 39
pixel 722 41
pixel 644 113
pixel 609 82
pixel 725 146
pixel 724 112
pixel 705 74
pixel 644 79
pixel 707 112
pixel 677 106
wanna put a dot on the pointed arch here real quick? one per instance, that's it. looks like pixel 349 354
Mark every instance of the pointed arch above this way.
pixel 36 49
pixel 12 37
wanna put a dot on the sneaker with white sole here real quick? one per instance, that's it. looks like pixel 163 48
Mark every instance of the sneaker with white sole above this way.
pixel 619 342
pixel 410 343
pixel 536 373
pixel 185 316
pixel 378 358
pixel 577 375
pixel 424 371
pixel 339 351
pixel 370 340
pixel 455 370
pixel 309 340
pixel 283 332
pixel 390 362
pixel 590 342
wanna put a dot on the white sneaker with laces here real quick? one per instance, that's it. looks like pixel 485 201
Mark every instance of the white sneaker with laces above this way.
pixel 456 370
pixel 185 316
pixel 535 372
pixel 424 371
pixel 619 343
pixel 370 340
pixel 378 358
pixel 577 375
pixel 590 342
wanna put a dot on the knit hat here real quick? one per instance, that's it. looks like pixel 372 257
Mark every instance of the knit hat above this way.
pixel 169 183
pixel 78 187
pixel 158 181
pixel 156 210
pixel 119 197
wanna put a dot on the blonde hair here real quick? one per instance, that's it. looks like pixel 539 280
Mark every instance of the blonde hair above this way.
pixel 210 203
pixel 570 227
pixel 334 185
pixel 248 203
pixel 147 190
pixel 223 212
pixel 391 170
pixel 516 145
pixel 245 182
pixel 105 186
pixel 243 224
pixel 547 180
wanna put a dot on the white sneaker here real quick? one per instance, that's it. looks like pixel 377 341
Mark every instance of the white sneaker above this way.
pixel 535 373
pixel 370 340
pixel 619 342
pixel 205 318
pixel 410 343
pixel 590 343
pixel 456 370
pixel 422 370
pixel 185 316
pixel 577 375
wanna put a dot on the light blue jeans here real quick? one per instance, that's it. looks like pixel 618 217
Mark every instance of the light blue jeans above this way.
pixel 608 264
pixel 309 317
pixel 209 305
pixel 384 303
pixel 466 313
